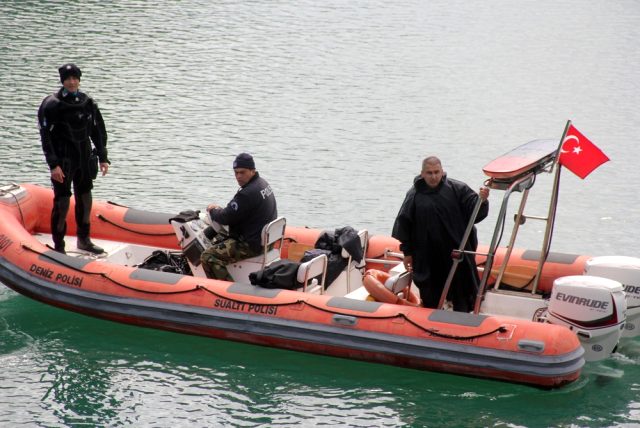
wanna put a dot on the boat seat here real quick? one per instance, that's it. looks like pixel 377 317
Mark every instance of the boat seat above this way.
pixel 355 269
pixel 351 277
pixel 272 233
pixel 399 282
pixel 310 270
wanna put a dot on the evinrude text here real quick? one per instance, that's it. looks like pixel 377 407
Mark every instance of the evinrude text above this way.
pixel 582 301
pixel 632 289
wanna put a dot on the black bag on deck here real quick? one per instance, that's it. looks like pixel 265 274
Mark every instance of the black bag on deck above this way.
pixel 166 261
pixel 327 241
pixel 344 237
pixel 347 238
pixel 335 263
pixel 331 243
pixel 280 274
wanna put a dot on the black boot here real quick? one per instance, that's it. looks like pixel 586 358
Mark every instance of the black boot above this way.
pixel 86 245
pixel 83 210
pixel 59 222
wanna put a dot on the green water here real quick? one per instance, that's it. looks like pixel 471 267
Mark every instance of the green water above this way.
pixel 63 369
pixel 338 101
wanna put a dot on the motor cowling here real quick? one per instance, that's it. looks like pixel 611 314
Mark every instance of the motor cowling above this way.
pixel 594 308
pixel 193 238
pixel 625 270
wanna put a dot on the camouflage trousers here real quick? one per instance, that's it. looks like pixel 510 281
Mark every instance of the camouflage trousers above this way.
pixel 216 258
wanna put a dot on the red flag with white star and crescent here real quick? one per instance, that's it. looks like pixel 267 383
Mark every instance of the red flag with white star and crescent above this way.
pixel 580 155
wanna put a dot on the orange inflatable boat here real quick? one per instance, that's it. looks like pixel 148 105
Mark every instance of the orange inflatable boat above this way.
pixel 340 319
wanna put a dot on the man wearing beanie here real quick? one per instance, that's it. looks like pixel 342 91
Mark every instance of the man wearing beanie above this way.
pixel 69 123
pixel 252 207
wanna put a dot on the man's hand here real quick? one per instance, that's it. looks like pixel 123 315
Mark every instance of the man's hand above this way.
pixel 104 167
pixel 57 174
pixel 484 193
pixel 408 263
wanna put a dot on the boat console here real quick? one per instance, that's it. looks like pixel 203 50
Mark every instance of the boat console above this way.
pixel 194 235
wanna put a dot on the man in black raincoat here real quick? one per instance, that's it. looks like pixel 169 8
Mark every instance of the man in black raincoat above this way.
pixel 430 225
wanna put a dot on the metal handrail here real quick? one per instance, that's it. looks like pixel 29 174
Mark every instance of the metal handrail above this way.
pixel 523 183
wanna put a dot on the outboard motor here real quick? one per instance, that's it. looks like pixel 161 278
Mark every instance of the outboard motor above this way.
pixel 625 270
pixel 592 307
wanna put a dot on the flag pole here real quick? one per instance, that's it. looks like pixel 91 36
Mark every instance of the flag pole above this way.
pixel 564 135
pixel 551 217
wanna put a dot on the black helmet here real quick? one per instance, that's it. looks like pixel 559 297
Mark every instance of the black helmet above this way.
pixel 69 70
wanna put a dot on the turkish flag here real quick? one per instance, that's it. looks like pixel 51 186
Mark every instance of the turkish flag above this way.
pixel 579 154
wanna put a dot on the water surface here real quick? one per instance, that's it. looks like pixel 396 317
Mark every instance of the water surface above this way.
pixel 339 102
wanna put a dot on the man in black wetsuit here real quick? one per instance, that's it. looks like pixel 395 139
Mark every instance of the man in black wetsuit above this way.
pixel 430 225
pixel 69 122
pixel 252 207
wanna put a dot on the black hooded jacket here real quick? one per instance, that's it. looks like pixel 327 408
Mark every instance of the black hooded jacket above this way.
pixel 431 223
pixel 252 207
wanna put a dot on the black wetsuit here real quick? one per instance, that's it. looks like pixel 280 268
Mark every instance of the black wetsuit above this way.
pixel 252 207
pixel 69 123
pixel 431 223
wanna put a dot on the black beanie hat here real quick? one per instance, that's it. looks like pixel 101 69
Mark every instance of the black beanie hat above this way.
pixel 244 160
pixel 69 70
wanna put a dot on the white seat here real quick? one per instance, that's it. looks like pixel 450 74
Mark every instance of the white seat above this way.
pixel 309 270
pixel 355 266
pixel 351 277
pixel 399 282
pixel 271 233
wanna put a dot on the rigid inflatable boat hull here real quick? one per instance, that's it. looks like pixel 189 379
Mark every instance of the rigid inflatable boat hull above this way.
pixel 484 346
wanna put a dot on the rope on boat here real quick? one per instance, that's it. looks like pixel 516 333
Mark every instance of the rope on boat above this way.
pixel 435 332
pixel 106 220
pixel 14 186
pixel 430 331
